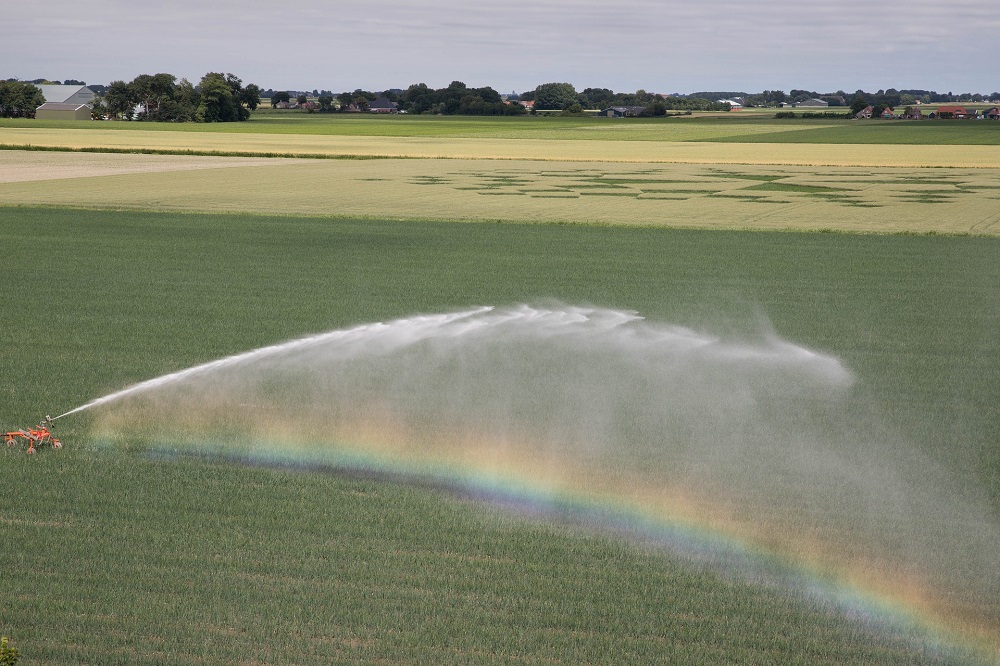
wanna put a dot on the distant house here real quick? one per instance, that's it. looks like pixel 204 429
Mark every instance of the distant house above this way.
pixel 67 94
pixel 622 111
pixel 888 113
pixel 814 102
pixel 734 105
pixel 865 112
pixel 913 113
pixel 58 111
pixel 992 114
pixel 382 105
pixel 951 112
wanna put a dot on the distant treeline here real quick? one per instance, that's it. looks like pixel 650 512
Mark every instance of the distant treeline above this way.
pixel 223 97
pixel 161 97
pixel 887 98
pixel 564 97
pixel 454 100
pixel 155 97
pixel 459 99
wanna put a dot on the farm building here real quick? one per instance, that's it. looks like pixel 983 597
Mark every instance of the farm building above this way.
pixel 60 111
pixel 812 102
pixel 382 105
pixel 888 113
pixel 992 114
pixel 622 111
pixel 67 94
pixel 865 112
pixel 950 112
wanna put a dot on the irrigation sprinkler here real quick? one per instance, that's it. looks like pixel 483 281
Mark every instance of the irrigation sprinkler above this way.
pixel 35 438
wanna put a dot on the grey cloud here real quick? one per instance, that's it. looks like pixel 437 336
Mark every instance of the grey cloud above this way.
pixel 665 45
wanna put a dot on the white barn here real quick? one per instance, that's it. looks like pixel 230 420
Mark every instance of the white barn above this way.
pixel 58 111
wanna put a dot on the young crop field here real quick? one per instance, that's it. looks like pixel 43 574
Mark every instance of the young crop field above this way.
pixel 118 556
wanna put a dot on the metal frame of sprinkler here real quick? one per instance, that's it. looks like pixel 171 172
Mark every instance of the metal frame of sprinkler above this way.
pixel 37 437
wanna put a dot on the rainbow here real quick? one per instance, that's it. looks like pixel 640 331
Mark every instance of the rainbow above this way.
pixel 695 528
pixel 720 451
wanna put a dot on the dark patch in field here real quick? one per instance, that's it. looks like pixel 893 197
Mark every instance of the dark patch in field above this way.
pixel 842 187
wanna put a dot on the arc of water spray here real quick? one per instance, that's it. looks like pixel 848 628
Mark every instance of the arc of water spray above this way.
pixel 345 334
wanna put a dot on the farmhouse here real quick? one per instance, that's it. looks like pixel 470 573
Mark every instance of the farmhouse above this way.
pixel 59 111
pixel 950 112
pixel 865 112
pixel 888 113
pixel 382 105
pixel 67 94
pixel 992 114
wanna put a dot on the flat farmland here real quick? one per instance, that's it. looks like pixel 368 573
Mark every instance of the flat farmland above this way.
pixel 740 128
pixel 605 150
pixel 856 199
pixel 147 559
pixel 124 266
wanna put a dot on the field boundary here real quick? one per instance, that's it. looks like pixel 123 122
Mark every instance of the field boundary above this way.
pixel 334 217
pixel 189 152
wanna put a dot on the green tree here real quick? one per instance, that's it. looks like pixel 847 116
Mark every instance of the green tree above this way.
pixel 250 96
pixel 656 108
pixel 554 96
pixel 97 109
pixel 217 103
pixel 858 104
pixel 19 100
pixel 151 90
pixel 596 98
pixel 418 98
pixel 182 105
pixel 279 97
pixel 120 100
pixel 774 97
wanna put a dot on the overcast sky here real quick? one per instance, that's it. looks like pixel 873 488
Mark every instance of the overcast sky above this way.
pixel 514 45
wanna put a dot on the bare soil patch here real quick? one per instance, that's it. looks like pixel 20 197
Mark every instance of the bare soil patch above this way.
pixel 18 166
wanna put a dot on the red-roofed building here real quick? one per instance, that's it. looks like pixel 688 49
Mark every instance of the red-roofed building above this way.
pixel 951 111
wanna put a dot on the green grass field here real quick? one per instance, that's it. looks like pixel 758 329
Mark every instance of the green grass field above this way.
pixel 118 269
pixel 151 560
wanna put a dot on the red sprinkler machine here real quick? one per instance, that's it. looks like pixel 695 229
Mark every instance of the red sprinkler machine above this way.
pixel 35 438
